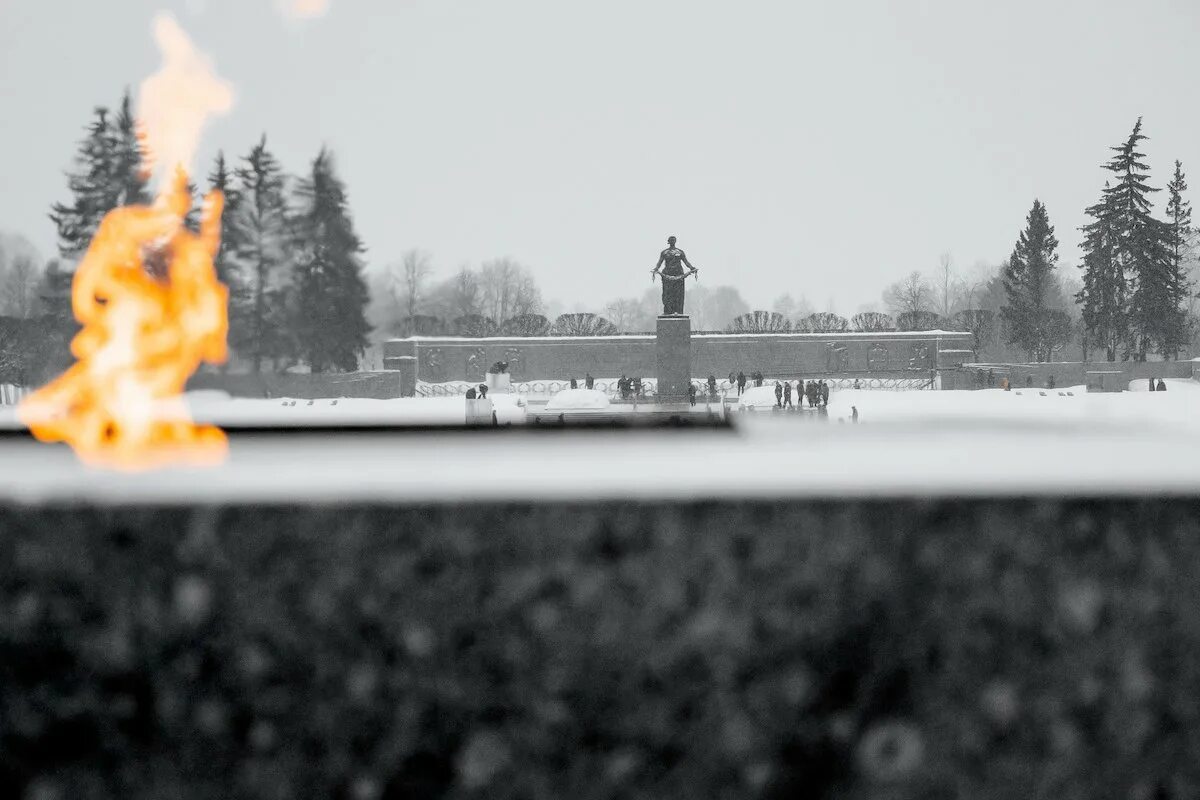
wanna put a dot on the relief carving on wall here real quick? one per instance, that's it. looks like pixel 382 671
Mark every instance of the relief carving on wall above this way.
pixel 513 356
pixel 877 357
pixel 835 357
pixel 920 357
pixel 477 365
pixel 432 366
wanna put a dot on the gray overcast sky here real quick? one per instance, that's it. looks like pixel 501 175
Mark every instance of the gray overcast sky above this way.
pixel 820 148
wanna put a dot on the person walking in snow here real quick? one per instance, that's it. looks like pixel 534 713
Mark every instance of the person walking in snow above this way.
pixel 787 394
pixel 692 393
pixel 588 381
pixel 778 395
pixel 741 382
pixel 824 394
pixel 1162 387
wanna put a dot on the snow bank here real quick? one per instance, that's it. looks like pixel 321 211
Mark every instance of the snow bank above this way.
pixel 758 397
pixel 1072 405
pixel 578 400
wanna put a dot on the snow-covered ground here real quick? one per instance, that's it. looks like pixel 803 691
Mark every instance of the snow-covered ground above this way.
pixel 926 443
pixel 578 399
pixel 220 409
pixel 1072 405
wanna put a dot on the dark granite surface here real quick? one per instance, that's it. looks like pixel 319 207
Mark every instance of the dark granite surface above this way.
pixel 789 650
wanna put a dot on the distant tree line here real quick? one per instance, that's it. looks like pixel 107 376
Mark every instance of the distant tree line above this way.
pixel 289 255
pixel 299 295
pixel 1135 295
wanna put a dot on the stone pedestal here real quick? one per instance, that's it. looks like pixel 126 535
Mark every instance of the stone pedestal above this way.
pixel 499 382
pixel 479 411
pixel 673 357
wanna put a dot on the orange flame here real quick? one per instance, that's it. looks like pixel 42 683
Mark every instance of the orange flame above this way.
pixel 148 298
pixel 121 403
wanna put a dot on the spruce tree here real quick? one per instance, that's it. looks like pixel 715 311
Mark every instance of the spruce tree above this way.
pixel 331 296
pixel 1177 240
pixel 1139 247
pixel 1029 283
pixel 262 246
pixel 130 173
pixel 90 186
pixel 1105 293
pixel 233 240
pixel 222 180
pixel 109 171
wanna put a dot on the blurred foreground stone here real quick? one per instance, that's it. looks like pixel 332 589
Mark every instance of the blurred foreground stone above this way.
pixel 791 650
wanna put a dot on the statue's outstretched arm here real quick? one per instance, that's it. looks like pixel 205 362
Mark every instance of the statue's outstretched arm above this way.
pixel 661 258
pixel 687 263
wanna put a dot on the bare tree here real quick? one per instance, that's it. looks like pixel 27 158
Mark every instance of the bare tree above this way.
pixel 582 325
pixel 710 307
pixel 629 314
pixel 508 290
pixel 872 321
pixel 912 295
pixel 946 284
pixel 465 292
pixel 760 322
pixel 823 322
pixel 791 307
pixel 19 280
pixel 20 275
pixel 415 272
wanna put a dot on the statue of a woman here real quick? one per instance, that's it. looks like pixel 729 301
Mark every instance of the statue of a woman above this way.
pixel 670 266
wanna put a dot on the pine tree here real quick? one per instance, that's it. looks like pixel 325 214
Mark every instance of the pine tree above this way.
pixel 130 174
pixel 109 172
pixel 1177 240
pixel 221 180
pixel 1105 293
pixel 1139 248
pixel 1029 283
pixel 233 240
pixel 90 187
pixel 330 320
pixel 261 244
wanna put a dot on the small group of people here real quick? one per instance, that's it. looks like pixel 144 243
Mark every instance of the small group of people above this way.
pixel 738 380
pixel 629 387
pixel 477 392
pixel 816 392
pixel 1157 387
pixel 588 382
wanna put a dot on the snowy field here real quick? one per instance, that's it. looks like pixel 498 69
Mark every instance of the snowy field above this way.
pixel 923 443
pixel 1070 405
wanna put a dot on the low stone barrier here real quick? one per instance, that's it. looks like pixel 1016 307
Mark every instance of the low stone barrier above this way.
pixel 382 385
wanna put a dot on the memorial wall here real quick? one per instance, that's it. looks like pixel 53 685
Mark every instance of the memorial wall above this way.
pixel 793 355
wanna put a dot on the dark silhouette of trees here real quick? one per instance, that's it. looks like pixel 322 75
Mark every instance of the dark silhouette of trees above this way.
pixel 866 321
pixel 760 322
pixel 582 325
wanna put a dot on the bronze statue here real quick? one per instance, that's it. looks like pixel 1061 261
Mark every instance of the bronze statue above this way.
pixel 673 276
